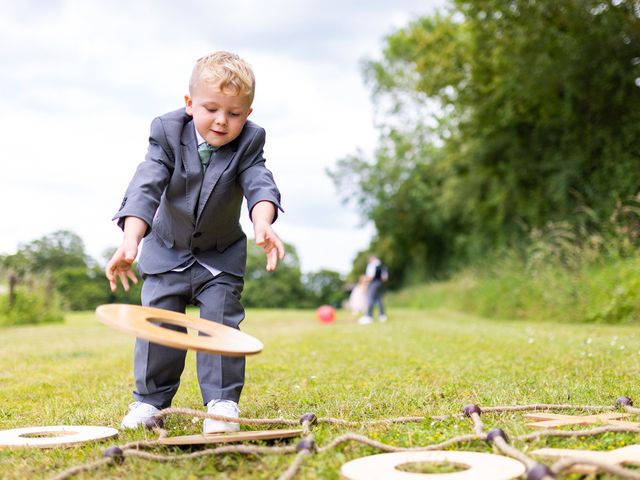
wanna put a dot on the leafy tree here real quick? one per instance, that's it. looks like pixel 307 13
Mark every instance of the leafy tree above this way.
pixel 494 116
pixel 325 287
pixel 282 288
pixel 57 264
pixel 60 249
pixel 32 297
pixel 37 260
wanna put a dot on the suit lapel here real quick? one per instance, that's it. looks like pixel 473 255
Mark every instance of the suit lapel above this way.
pixel 192 165
pixel 219 163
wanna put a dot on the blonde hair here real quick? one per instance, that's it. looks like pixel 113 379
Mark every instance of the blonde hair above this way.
pixel 226 71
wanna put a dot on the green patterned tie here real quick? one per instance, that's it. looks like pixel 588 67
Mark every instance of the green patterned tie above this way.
pixel 205 151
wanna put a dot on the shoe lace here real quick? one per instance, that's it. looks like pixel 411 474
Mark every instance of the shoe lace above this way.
pixel 147 408
pixel 224 408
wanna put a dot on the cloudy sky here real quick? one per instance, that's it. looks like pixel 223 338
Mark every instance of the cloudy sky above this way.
pixel 82 79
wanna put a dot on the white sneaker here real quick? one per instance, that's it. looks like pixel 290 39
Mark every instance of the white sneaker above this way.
pixel 139 413
pixel 365 320
pixel 383 318
pixel 224 408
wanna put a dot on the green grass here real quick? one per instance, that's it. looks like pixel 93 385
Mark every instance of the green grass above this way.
pixel 419 363
pixel 603 292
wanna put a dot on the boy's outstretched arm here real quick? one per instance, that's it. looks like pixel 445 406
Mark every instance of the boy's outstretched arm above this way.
pixel 262 214
pixel 120 264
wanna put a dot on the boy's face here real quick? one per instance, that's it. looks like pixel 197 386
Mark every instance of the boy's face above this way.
pixel 218 116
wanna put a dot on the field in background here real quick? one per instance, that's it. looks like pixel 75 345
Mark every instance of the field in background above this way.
pixel 419 363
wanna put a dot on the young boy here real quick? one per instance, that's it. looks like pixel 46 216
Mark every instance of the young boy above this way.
pixel 185 199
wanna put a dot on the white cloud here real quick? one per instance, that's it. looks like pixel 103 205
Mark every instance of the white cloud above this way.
pixel 83 79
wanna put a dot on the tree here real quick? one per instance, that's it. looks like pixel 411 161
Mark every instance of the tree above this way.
pixel 32 297
pixel 281 288
pixel 325 287
pixel 58 265
pixel 498 115
pixel 40 258
pixel 60 249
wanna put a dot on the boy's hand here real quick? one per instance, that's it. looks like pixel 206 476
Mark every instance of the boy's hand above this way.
pixel 267 238
pixel 262 215
pixel 120 266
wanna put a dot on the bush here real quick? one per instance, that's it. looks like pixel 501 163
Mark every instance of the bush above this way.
pixel 613 292
pixel 84 289
pixel 587 271
pixel 604 292
pixel 33 305
pixel 79 289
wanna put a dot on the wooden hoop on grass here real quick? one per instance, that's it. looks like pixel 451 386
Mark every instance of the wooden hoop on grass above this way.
pixel 136 320
pixel 480 466
pixel 50 437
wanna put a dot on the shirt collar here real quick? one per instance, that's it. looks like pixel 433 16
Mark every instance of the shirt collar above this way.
pixel 199 137
pixel 201 140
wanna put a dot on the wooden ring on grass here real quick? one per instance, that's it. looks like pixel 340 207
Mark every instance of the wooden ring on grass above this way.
pixel 140 322
pixel 479 466
pixel 56 436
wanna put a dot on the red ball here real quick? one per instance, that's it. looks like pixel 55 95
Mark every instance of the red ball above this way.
pixel 326 313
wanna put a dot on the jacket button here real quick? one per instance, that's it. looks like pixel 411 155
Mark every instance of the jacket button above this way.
pixel 196 250
pixel 197 234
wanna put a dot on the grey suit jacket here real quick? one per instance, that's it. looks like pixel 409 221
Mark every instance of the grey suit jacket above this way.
pixel 192 215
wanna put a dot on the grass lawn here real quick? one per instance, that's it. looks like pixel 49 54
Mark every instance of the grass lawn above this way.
pixel 420 363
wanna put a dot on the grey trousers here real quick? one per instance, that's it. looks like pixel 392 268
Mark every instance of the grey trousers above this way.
pixel 157 368
pixel 374 297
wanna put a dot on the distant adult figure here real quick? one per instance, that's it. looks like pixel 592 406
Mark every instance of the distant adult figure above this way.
pixel 377 274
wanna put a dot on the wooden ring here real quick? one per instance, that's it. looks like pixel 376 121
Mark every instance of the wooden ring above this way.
pixel 136 320
pixel 481 466
pixel 56 436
